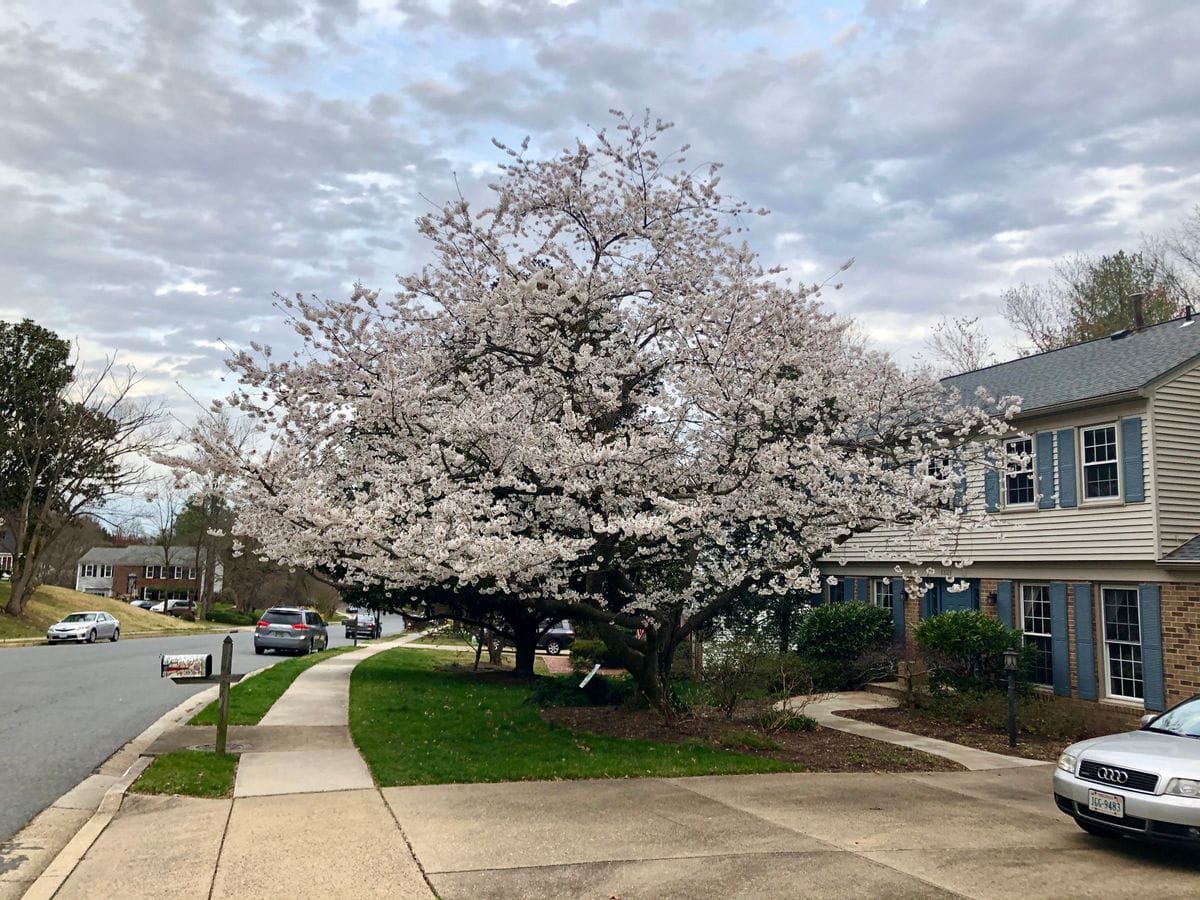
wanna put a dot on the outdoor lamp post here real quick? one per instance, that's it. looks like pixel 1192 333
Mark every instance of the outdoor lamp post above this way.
pixel 1011 659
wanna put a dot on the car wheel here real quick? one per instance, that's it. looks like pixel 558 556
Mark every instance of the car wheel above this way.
pixel 1098 830
pixel 91 638
pixel 553 648
pixel 260 650
pixel 311 648
pixel 116 635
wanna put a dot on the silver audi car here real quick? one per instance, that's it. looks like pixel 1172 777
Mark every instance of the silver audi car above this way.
pixel 1143 783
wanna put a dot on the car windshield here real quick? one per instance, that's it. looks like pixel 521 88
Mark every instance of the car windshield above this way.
pixel 80 617
pixel 1183 720
pixel 284 617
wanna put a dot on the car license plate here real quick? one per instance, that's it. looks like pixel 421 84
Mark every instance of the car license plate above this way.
pixel 1108 804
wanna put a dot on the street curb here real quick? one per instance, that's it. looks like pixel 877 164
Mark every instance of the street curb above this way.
pixel 130 636
pixel 60 868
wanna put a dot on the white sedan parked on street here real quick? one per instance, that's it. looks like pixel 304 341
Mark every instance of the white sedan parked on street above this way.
pixel 84 627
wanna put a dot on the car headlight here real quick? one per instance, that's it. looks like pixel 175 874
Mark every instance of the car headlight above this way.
pixel 1067 762
pixel 1183 787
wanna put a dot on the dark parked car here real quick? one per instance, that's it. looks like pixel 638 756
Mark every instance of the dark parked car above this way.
pixel 182 609
pixel 560 636
pixel 1143 783
pixel 362 623
pixel 290 628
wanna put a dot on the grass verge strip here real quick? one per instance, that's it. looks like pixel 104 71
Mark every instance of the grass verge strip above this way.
pixel 191 773
pixel 415 722
pixel 250 699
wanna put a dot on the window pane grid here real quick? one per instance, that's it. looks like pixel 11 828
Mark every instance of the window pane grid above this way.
pixel 1100 473
pixel 1035 623
pixel 881 593
pixel 1018 480
pixel 1122 642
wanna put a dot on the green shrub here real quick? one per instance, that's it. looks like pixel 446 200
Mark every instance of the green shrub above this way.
pixel 1037 713
pixel 738 739
pixel 226 616
pixel 564 690
pixel 586 653
pixel 966 649
pixel 842 632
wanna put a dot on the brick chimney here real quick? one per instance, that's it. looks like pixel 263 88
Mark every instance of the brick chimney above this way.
pixel 1139 316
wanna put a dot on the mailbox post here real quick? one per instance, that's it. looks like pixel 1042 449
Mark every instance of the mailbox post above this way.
pixel 197 669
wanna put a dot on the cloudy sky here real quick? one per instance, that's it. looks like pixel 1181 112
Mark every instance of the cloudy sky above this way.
pixel 166 166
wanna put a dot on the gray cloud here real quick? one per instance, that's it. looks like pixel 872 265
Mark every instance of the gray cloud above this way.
pixel 166 167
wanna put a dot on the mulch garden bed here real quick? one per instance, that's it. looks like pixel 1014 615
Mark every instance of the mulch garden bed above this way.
pixel 819 750
pixel 981 737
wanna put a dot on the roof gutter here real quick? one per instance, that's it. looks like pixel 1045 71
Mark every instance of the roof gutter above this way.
pixel 1072 405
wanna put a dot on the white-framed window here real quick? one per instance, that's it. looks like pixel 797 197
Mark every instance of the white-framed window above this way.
pixel 106 571
pixel 177 571
pixel 5 562
pixel 1035 625
pixel 1122 633
pixel 1100 462
pixel 881 592
pixel 1018 480
pixel 149 571
pixel 89 570
pixel 192 573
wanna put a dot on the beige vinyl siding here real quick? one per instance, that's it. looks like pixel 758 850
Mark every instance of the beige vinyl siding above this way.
pixel 1093 530
pixel 1176 406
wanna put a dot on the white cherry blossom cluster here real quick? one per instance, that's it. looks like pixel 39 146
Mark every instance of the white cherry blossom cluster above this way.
pixel 594 396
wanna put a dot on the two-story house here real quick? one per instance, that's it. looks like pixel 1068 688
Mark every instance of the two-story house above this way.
pixel 141 571
pixel 1093 548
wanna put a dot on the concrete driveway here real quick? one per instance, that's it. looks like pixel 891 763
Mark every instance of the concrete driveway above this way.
pixel 960 834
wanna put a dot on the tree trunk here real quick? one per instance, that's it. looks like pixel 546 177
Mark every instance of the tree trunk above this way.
pixel 525 635
pixel 24 573
pixel 785 623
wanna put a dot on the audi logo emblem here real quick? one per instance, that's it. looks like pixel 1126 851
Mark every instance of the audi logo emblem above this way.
pixel 1116 776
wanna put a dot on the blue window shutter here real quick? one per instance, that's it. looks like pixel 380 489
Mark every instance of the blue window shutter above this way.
pixel 1085 641
pixel 991 486
pixel 1131 459
pixel 960 490
pixel 898 607
pixel 1066 468
pixel 1059 645
pixel 1150 615
pixel 863 590
pixel 1044 441
pixel 927 602
pixel 1004 603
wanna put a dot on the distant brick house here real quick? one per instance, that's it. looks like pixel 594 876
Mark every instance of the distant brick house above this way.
pixel 141 571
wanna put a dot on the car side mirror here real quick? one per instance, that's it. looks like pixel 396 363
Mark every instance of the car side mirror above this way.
pixel 1147 719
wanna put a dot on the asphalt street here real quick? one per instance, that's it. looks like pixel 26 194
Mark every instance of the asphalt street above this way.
pixel 67 708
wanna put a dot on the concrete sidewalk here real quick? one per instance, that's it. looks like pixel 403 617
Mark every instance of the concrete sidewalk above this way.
pixel 302 792
pixel 302 824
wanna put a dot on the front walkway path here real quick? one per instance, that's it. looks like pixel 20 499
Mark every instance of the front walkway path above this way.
pixel 825 708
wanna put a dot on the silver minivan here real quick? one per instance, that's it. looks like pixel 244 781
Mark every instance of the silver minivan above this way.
pixel 290 628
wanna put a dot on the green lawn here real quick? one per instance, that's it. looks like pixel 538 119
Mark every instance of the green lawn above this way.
pixel 192 773
pixel 416 722
pixel 249 700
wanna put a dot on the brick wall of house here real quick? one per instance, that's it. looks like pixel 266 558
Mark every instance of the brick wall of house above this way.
pixel 1181 640
pixel 121 573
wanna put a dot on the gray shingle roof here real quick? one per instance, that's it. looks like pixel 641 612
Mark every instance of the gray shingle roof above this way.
pixel 141 555
pixel 1087 371
pixel 1189 552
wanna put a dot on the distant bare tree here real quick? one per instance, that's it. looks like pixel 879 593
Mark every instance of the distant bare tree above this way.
pixel 959 345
